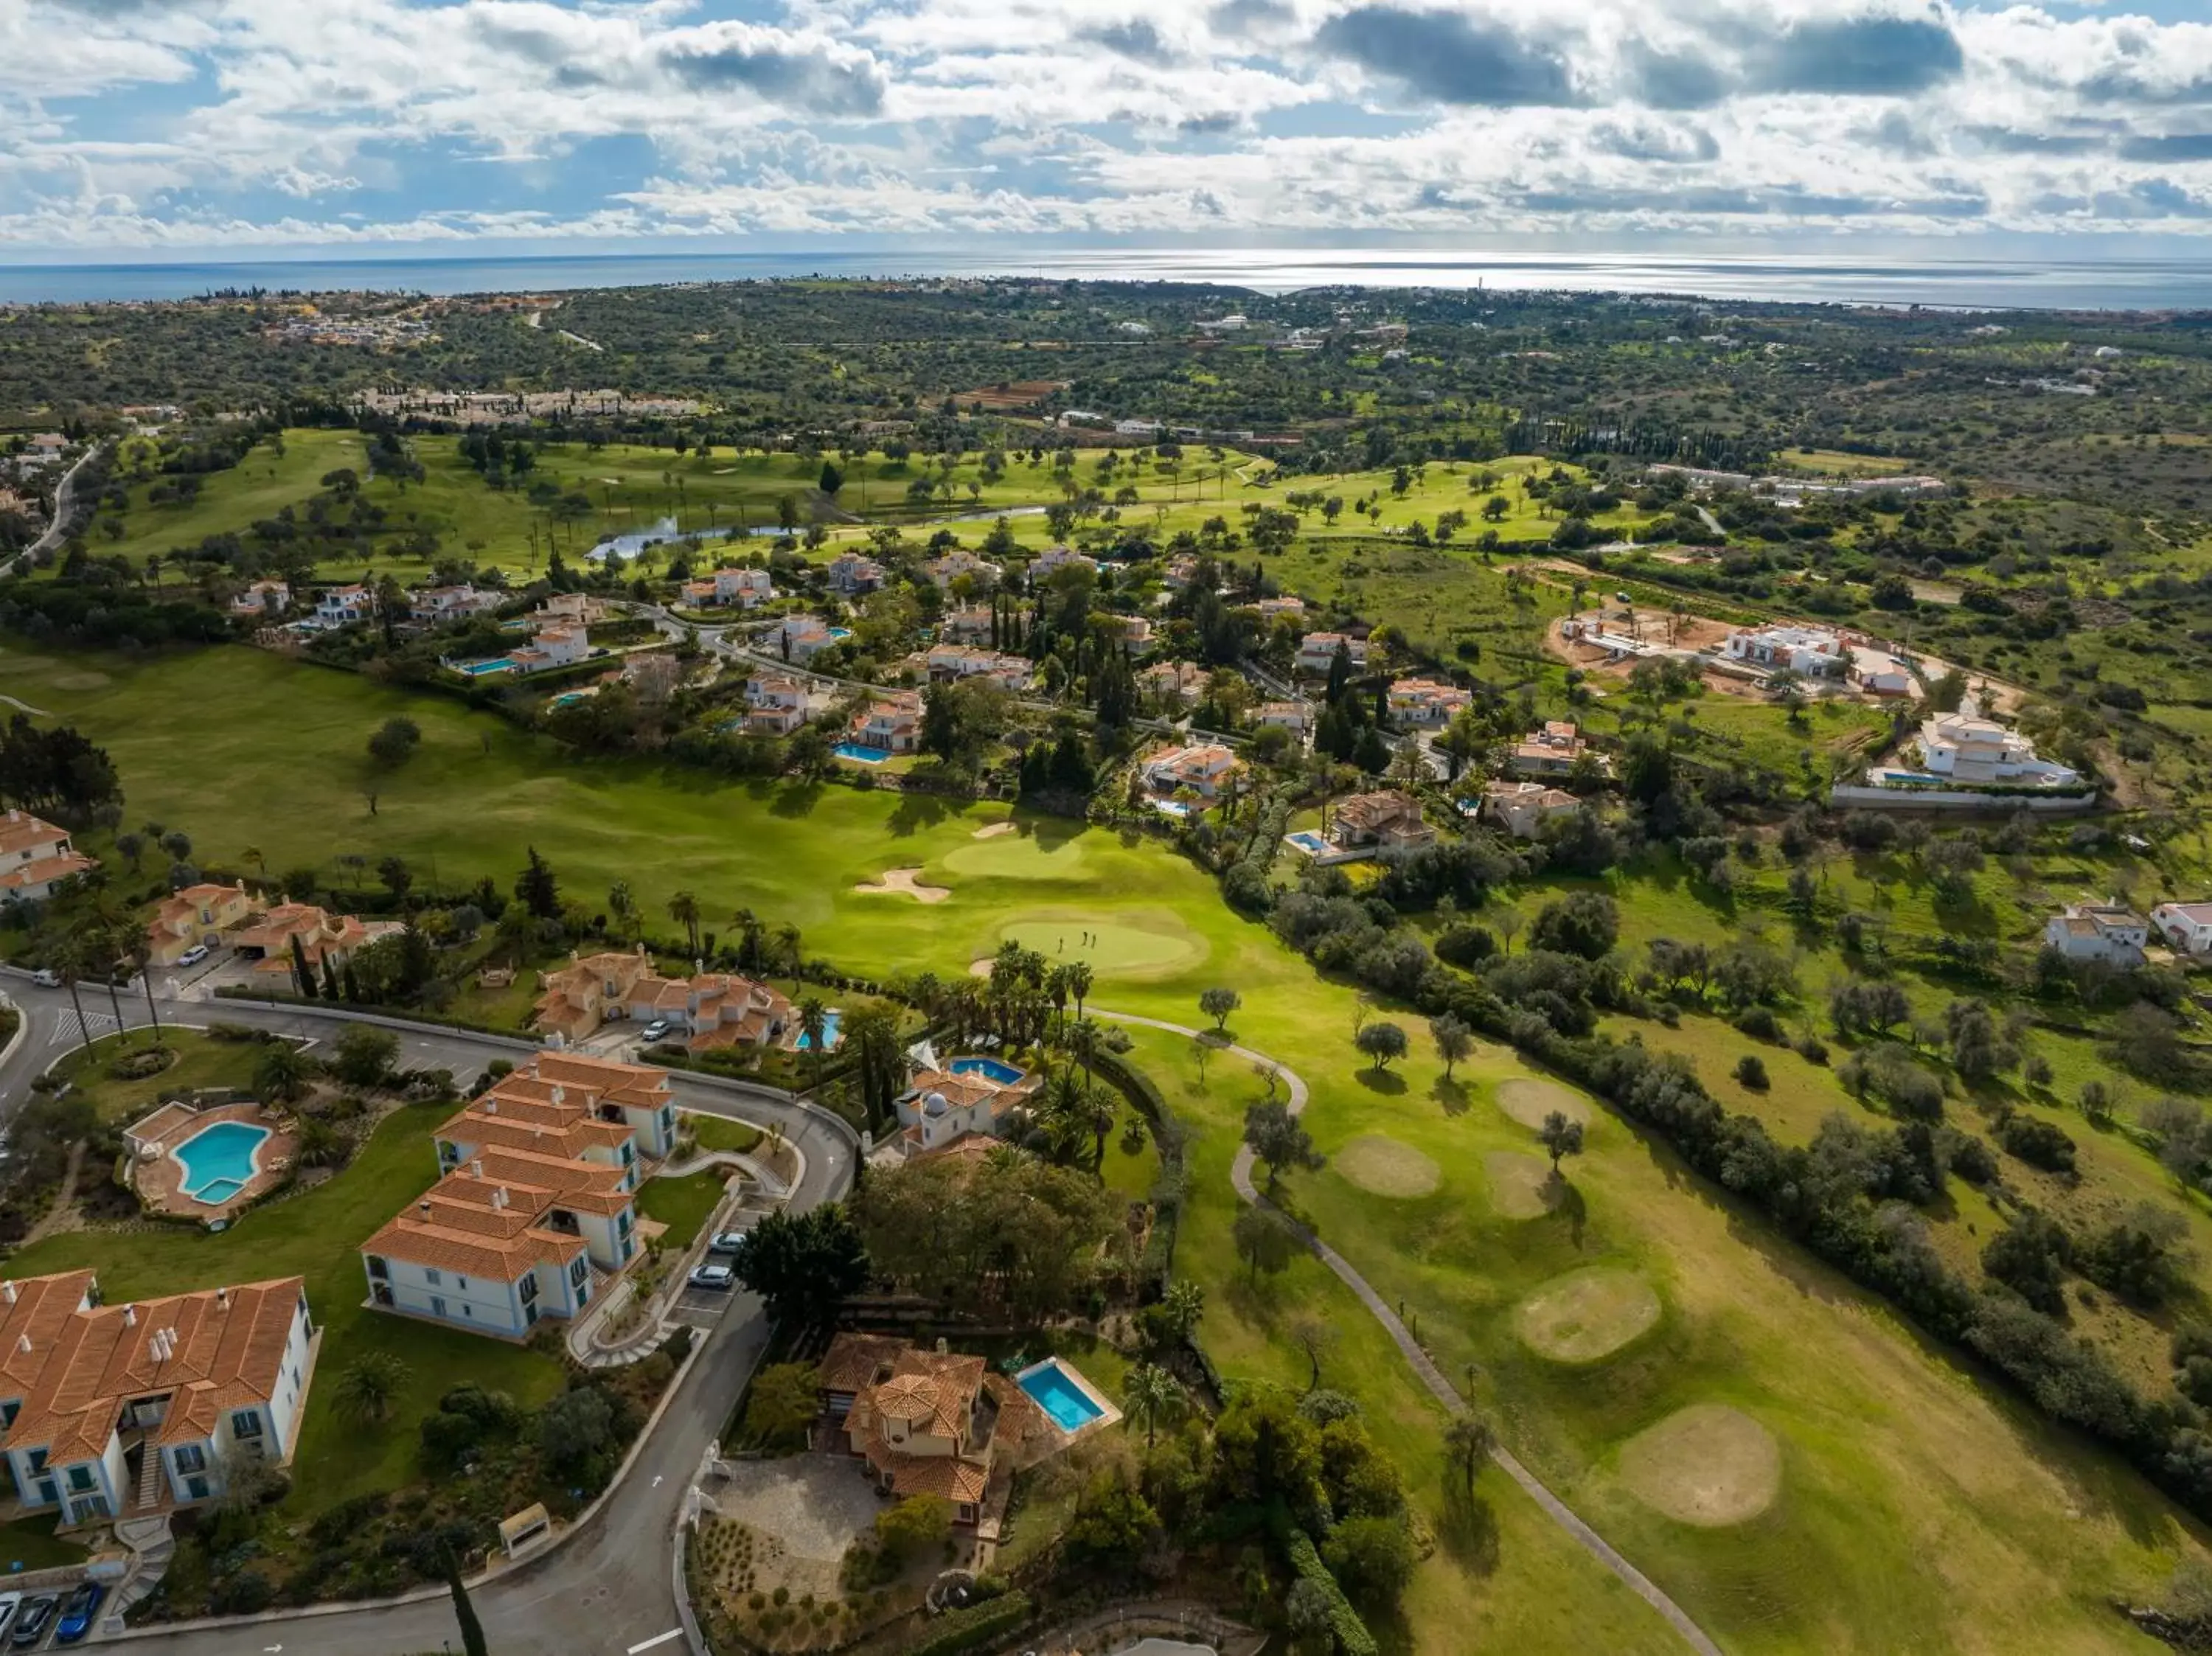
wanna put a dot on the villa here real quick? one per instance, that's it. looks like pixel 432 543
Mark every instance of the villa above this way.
pixel 1317 652
pixel 553 646
pixel 778 706
pixel 1809 652
pixel 1292 716
pixel 267 939
pixel 36 858
pixel 932 1422
pixel 1522 809
pixel 199 916
pixel 337 606
pixel 263 598
pixel 1426 701
pixel 969 1095
pixel 1175 678
pixel 432 604
pixel 1205 769
pixel 570 610
pixel 711 1009
pixel 1179 572
pixel 801 637
pixel 2186 926
pixel 1136 633
pixel 1054 559
pixel 945 663
pixel 120 1411
pixel 890 724
pixel 1270 607
pixel 957 562
pixel 2098 931
pixel 1386 820
pixel 1961 748
pixel 1551 751
pixel 850 573
pixel 747 588
pixel 973 625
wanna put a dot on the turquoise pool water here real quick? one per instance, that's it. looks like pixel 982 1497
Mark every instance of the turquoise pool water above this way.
pixel 1307 841
pixel 829 1022
pixel 990 1069
pixel 478 669
pixel 1056 1392
pixel 865 755
pixel 218 1160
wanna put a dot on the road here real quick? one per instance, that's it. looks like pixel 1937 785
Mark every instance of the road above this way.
pixel 65 506
pixel 607 1585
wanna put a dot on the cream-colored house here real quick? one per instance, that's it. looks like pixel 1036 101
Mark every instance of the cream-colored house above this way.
pixel 199 915
pixel 36 857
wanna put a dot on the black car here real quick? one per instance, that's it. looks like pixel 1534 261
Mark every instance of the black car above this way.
pixel 36 1616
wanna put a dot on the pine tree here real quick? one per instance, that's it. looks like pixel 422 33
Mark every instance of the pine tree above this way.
pixel 472 1634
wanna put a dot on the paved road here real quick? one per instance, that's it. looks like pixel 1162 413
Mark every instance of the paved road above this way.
pixel 65 506
pixel 1425 1367
pixel 607 1586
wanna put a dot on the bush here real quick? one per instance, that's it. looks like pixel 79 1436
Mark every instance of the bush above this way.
pixel 1759 1023
pixel 1811 1048
pixel 2039 1143
pixel 1751 1070
pixel 977 1625
pixel 1350 1634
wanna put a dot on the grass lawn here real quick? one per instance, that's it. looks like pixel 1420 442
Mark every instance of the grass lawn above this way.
pixel 681 1204
pixel 716 1132
pixel 30 1544
pixel 317 1234
pixel 200 1062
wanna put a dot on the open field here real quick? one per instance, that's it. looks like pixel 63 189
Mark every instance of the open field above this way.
pixel 1918 1508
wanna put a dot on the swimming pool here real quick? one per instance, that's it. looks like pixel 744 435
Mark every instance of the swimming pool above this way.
pixel 479 669
pixel 1054 1389
pixel 859 755
pixel 570 698
pixel 830 1022
pixel 990 1069
pixel 218 1160
pixel 1307 841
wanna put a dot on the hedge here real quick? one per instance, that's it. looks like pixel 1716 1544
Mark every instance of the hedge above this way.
pixel 977 1624
pixel 1350 1634
pixel 1159 1262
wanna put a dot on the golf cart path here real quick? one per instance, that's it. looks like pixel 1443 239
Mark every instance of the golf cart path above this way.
pixel 1240 1175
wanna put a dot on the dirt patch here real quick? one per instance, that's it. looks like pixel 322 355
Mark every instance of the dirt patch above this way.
pixel 82 681
pixel 979 968
pixel 1708 1464
pixel 992 830
pixel 1528 1101
pixel 1384 1167
pixel 906 882
pixel 1521 1186
pixel 1586 1315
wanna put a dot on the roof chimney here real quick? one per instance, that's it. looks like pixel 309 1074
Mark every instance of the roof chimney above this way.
pixel 8 1291
pixel 131 1316
pixel 23 1344
pixel 223 1299
pixel 475 1168
pixel 491 1106
pixel 422 1207
pixel 499 1196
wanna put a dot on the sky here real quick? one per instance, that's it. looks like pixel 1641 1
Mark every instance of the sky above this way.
pixel 150 128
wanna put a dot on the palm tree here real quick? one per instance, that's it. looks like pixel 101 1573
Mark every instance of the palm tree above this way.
pixel 749 931
pixel 1150 1393
pixel 141 957
pixel 1083 1041
pixel 813 1018
pixel 1468 1442
pixel 281 1072
pixel 1078 984
pixel 621 905
pixel 319 1145
pixel 684 909
pixel 786 947
pixel 370 1385
pixel 254 854
pixel 72 961
pixel 1056 990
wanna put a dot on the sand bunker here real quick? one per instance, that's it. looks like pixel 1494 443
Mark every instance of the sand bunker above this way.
pixel 992 830
pixel 1521 1186
pixel 82 681
pixel 1586 1314
pixel 1529 1101
pixel 904 881
pixel 1708 1464
pixel 1384 1167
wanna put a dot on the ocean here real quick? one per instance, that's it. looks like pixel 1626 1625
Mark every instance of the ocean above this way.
pixel 2116 284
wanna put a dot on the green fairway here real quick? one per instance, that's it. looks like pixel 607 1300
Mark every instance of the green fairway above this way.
pixel 1138 944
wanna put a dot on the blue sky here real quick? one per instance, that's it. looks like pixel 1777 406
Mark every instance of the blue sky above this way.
pixel 144 127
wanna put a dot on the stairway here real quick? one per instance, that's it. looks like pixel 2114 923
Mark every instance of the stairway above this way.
pixel 150 1545
pixel 150 1478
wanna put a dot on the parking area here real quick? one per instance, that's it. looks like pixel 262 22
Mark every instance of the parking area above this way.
pixel 44 1619
pixel 701 1306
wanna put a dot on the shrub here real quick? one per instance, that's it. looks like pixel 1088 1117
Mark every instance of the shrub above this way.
pixel 1812 1048
pixel 977 1625
pixel 2038 1143
pixel 1350 1634
pixel 1751 1070
pixel 1759 1023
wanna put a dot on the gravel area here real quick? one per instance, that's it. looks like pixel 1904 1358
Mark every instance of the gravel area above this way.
pixel 816 1505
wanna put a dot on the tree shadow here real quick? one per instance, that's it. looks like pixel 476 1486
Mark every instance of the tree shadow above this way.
pixel 1387 1083
pixel 917 811
pixel 1451 1093
pixel 1565 1200
pixel 795 799
pixel 1468 1528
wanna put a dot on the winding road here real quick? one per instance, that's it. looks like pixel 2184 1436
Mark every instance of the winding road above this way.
pixel 605 1586
pixel 1424 1366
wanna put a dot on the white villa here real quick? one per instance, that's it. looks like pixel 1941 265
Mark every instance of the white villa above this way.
pixel 801 637
pixel 1205 769
pixel 947 662
pixel 1551 751
pixel 1426 702
pixel 970 1097
pixel 1317 652
pixel 1809 652
pixel 968 626
pixel 852 574
pixel 1270 607
pixel 1054 559
pixel 1292 716
pixel 1522 809
pixel 125 1410
pixel 553 646
pixel 336 606
pixel 957 562
pixel 432 604
pixel 1959 747
pixel 778 704
pixel 36 857
pixel 2098 931
pixel 2186 926
pixel 263 598
pixel 892 724
pixel 747 588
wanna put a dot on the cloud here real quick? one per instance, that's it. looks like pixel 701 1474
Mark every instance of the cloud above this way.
pixel 1447 57
pixel 1136 37
pixel 2175 147
pixel 784 70
pixel 1859 57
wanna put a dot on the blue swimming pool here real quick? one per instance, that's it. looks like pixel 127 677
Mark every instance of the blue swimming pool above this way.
pixel 218 1160
pixel 1307 841
pixel 830 1022
pixel 1060 1394
pixel 479 669
pixel 990 1069
pixel 859 755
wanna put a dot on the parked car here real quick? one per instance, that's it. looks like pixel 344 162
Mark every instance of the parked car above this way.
pixel 79 1614
pixel 32 1620
pixel 9 1604
pixel 654 1031
pixel 724 1241
pixel 720 1278
pixel 46 978
pixel 193 955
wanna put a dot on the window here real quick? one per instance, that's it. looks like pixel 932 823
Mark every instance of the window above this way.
pixel 468 1311
pixel 435 1278
pixel 377 1270
pixel 190 1458
pixel 246 1423
pixel 38 1461
pixel 197 1488
pixel 579 1268
pixel 461 1283
pixel 629 1153
pixel 529 1290
pixel 8 1410
pixel 437 1305
pixel 81 1480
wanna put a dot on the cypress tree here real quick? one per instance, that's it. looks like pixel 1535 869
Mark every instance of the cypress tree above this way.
pixel 472 1634
pixel 302 976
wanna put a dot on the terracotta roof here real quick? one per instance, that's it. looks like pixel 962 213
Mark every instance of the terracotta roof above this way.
pixel 21 831
pixel 853 1360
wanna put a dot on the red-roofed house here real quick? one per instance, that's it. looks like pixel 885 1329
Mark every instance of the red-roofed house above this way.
pixel 36 857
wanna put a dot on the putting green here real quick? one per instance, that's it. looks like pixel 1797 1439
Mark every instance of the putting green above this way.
pixel 1143 943
pixel 1384 1167
pixel 1521 1186
pixel 1707 1464
pixel 1017 857
pixel 1528 1101
pixel 1586 1314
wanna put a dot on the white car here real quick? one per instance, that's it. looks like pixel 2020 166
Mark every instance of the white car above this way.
pixel 193 955
pixel 720 1278
pixel 654 1030
pixel 46 978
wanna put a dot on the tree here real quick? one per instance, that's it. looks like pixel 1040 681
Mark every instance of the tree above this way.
pixel 684 909
pixel 1586 923
pixel 281 1074
pixel 1276 1137
pixel 1264 1240
pixel 783 1400
pixel 1453 1039
pixel 1372 1558
pixel 394 742
pixel 1751 1070
pixel 804 1267
pixel 1218 1003
pixel 1316 1337
pixel 917 1523
pixel 537 888
pixel 1382 1042
pixel 1112 1519
pixel 472 1634
pixel 364 1055
pixel 1468 1444
pixel 1152 1395
pixel 368 1386
pixel 1560 1137
pixel 1182 1307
